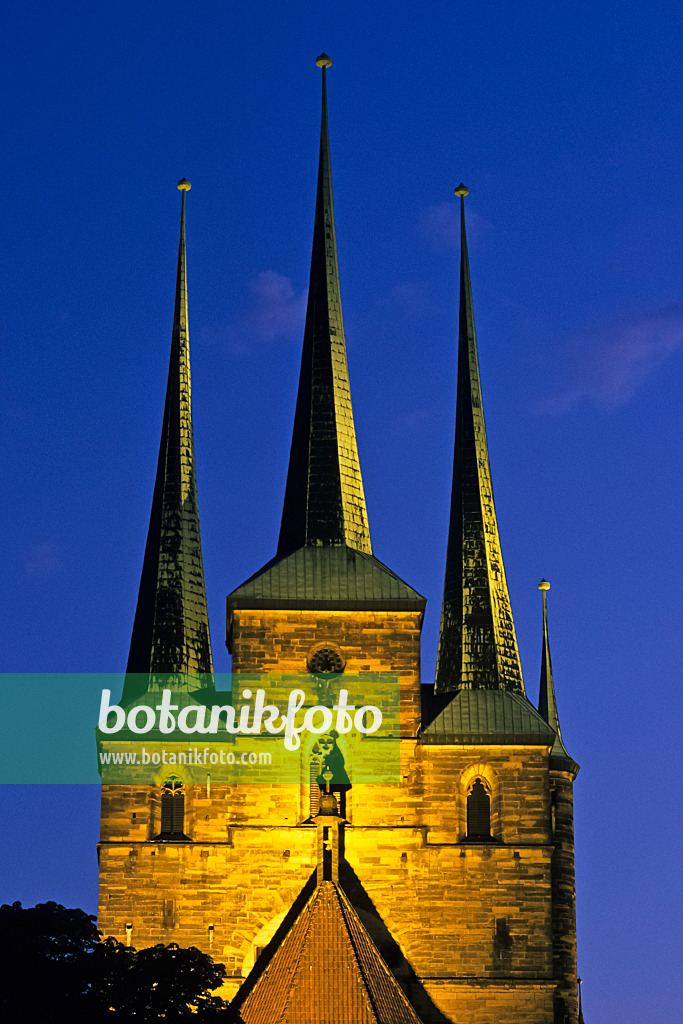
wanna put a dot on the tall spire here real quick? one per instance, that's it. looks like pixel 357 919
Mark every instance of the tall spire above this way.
pixel 477 643
pixel 171 627
pixel 324 501
pixel 547 706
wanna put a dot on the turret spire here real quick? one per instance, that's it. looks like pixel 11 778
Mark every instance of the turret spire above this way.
pixel 171 627
pixel 547 706
pixel 324 501
pixel 581 1020
pixel 477 643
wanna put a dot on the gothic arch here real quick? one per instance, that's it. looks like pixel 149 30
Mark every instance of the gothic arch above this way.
pixel 484 773
pixel 170 805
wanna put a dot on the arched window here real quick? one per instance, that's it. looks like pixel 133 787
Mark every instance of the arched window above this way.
pixel 172 809
pixel 478 812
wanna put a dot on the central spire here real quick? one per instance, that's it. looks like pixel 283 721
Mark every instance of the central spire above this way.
pixel 324 502
pixel 477 643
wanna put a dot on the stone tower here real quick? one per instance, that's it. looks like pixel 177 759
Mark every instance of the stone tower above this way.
pixel 447 895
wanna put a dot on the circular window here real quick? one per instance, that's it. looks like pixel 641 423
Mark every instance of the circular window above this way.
pixel 325 660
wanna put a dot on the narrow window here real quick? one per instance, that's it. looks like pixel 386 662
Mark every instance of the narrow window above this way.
pixel 327 757
pixel 314 770
pixel 172 809
pixel 553 810
pixel 502 940
pixel 478 812
pixel 168 913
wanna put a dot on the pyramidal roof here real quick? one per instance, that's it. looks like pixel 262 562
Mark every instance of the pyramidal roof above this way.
pixel 171 626
pixel 324 500
pixel 340 578
pixel 326 969
pixel 477 643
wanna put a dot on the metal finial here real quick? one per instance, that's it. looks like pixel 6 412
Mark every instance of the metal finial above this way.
pixel 184 185
pixel 544 585
pixel 323 61
pixel 461 190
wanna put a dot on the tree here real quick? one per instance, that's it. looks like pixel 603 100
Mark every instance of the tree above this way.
pixel 57 968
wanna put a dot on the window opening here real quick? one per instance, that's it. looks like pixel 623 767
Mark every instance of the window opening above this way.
pixel 478 812
pixel 172 810
pixel 325 660
pixel 327 757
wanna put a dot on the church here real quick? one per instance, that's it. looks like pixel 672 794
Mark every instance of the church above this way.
pixel 445 896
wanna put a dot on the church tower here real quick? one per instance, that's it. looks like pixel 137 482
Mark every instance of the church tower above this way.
pixel 445 895
pixel 511 919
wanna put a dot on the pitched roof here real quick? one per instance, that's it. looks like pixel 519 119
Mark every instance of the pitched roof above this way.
pixel 171 626
pixel 326 970
pixel 326 577
pixel 477 643
pixel 486 716
pixel 324 500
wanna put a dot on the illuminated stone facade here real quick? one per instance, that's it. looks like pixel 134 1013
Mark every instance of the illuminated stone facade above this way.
pixel 478 931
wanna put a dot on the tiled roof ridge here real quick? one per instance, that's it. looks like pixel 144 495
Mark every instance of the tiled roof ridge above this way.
pixel 308 910
pixel 382 1000
pixel 354 924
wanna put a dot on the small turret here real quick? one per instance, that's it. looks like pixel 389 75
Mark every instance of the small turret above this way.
pixel 547 705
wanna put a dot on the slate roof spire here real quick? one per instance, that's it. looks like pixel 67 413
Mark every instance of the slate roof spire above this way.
pixel 171 627
pixel 547 705
pixel 324 502
pixel 477 643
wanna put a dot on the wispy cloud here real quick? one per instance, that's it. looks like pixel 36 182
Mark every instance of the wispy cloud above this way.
pixel 278 310
pixel 607 365
pixel 439 225
pixel 274 309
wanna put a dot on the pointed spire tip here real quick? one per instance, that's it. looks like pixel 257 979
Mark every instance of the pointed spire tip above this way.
pixel 544 585
pixel 184 185
pixel 323 61
pixel 461 190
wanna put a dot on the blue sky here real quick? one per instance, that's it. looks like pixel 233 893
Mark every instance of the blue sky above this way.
pixel 564 121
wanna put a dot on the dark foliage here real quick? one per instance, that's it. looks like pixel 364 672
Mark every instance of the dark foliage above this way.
pixel 56 968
